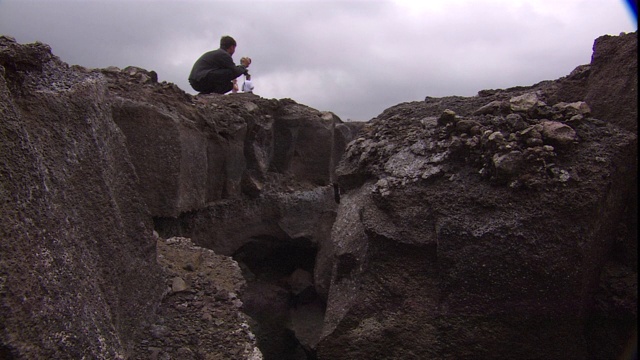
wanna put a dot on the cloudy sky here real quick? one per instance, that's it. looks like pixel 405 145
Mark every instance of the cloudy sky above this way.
pixel 354 58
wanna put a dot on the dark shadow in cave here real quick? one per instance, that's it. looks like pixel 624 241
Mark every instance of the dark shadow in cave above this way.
pixel 167 227
pixel 5 352
pixel 280 298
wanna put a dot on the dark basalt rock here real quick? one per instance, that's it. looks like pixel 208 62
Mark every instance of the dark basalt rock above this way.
pixel 491 227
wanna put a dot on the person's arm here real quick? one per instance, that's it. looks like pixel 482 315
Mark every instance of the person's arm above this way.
pixel 227 63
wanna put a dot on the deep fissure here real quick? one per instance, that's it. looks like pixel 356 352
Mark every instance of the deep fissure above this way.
pixel 280 296
pixel 286 313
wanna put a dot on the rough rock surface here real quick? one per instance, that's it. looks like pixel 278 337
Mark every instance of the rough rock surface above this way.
pixel 219 147
pixel 77 257
pixel 198 316
pixel 493 227
pixel 496 226
pixel 614 80
pixel 94 159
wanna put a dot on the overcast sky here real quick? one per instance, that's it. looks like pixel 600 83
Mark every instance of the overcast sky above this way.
pixel 354 58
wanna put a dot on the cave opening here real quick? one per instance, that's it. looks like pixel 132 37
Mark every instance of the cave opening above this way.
pixel 280 298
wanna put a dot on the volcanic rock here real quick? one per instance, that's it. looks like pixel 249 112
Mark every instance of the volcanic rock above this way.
pixel 143 222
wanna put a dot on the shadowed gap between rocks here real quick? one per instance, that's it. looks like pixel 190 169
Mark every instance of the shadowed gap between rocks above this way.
pixel 168 227
pixel 286 311
pixel 281 296
pixel 5 352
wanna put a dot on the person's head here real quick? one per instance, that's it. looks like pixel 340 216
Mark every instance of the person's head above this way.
pixel 228 44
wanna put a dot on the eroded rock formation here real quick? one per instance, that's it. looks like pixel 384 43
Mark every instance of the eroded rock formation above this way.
pixel 94 159
pixel 77 266
pixel 491 227
pixel 496 226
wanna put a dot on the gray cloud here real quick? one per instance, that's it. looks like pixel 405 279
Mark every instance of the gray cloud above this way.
pixel 355 58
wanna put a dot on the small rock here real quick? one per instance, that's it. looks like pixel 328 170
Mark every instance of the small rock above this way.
pixel 525 102
pixel 576 118
pixel 558 133
pixel 496 137
pixel 178 285
pixel 447 117
pixel 516 121
pixel 158 331
pixel 493 108
pixel 250 106
pixel 465 126
pixel 508 164
pixel 533 142
pixel 221 295
pixel 574 108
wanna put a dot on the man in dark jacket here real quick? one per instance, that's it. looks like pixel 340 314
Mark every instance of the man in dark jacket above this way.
pixel 215 70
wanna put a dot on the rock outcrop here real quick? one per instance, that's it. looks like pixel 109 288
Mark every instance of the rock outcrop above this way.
pixel 614 80
pixel 78 270
pixel 496 226
pixel 94 159
pixel 491 227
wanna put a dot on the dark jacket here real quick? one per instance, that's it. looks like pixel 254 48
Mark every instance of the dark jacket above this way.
pixel 214 60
